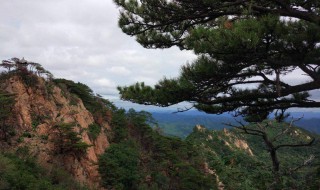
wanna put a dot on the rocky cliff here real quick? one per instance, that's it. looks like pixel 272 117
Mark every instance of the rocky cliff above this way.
pixel 38 110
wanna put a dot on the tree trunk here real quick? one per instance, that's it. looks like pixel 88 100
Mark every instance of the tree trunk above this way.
pixel 275 162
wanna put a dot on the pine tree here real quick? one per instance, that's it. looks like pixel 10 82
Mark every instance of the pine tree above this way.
pixel 245 49
pixel 6 106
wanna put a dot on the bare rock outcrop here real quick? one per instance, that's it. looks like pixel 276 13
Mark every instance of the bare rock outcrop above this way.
pixel 237 142
pixel 37 110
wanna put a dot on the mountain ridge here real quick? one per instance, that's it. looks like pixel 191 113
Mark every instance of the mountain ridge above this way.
pixel 181 124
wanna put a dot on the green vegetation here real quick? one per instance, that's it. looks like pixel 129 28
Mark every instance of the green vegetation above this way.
pixel 39 119
pixel 238 170
pixel 118 166
pixel 94 103
pixel 22 172
pixel 94 131
pixel 28 72
pixel 7 102
pixel 119 126
pixel 155 161
pixel 29 79
pixel 68 140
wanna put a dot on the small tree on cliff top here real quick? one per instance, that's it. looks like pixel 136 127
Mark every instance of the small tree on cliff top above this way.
pixel 25 67
pixel 244 48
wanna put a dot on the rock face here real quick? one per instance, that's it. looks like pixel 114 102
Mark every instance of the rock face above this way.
pixel 37 110
pixel 239 143
pixel 213 172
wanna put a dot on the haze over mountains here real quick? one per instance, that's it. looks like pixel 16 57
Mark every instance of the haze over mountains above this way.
pixel 182 124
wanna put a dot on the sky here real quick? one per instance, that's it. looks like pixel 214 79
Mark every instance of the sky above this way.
pixel 80 40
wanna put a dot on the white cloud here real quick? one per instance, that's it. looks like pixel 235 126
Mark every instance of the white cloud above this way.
pixel 105 83
pixel 119 70
pixel 103 86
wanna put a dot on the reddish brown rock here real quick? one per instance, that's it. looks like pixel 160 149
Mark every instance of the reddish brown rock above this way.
pixel 37 110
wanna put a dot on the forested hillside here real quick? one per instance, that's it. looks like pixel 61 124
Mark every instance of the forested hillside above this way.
pixel 56 134
pixel 243 161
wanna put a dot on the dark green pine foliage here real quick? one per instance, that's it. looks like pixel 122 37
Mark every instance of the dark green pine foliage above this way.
pixel 68 141
pixel 27 71
pixel 245 49
pixel 119 166
pixel 94 131
pixel 21 171
pixel 94 103
pixel 119 125
pixel 140 158
pixel 7 102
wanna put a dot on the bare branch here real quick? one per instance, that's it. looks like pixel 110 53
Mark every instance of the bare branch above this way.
pixel 284 131
pixel 306 162
pixel 246 130
pixel 183 109
pixel 296 145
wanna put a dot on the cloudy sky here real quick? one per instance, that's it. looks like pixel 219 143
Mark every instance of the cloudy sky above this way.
pixel 80 40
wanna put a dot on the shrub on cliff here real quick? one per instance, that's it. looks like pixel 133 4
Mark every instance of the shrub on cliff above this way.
pixel 68 140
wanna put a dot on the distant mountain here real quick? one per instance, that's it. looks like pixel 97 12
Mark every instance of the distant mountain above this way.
pixel 308 120
pixel 305 115
pixel 312 124
pixel 182 124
